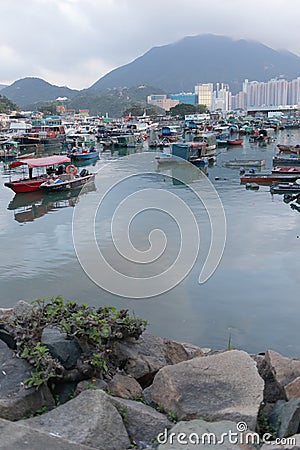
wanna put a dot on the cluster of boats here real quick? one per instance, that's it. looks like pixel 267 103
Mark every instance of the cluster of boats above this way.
pixel 284 176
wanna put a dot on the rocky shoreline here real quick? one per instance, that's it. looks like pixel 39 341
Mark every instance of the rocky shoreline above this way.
pixel 165 395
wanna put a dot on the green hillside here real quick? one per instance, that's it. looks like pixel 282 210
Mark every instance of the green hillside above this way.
pixel 6 105
pixel 114 102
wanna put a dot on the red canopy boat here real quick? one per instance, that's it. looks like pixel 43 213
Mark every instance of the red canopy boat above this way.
pixel 31 183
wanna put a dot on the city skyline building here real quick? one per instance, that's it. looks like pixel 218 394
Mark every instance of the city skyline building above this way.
pixel 254 94
pixel 204 93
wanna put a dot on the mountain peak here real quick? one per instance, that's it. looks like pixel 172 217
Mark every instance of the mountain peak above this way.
pixel 30 90
pixel 203 58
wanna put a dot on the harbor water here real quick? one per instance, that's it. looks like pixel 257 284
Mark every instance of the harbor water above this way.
pixel 252 297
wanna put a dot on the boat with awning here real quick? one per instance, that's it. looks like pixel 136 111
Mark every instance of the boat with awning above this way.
pixel 54 164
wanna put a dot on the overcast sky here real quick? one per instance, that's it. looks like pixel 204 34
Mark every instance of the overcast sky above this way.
pixel 76 42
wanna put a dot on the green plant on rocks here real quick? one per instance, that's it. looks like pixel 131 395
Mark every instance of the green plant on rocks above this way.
pixel 265 427
pixel 95 329
pixel 172 416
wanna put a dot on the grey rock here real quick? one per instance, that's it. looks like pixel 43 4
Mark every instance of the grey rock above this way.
pixel 284 370
pixel 142 422
pixel 89 419
pixel 5 313
pixel 8 339
pixel 285 417
pixel 15 436
pixel 218 387
pixel 92 384
pixel 273 391
pixel 67 351
pixel 147 395
pixel 292 389
pixel 143 358
pixel 22 311
pixel 124 386
pixel 194 351
pixel 16 401
pixel 206 435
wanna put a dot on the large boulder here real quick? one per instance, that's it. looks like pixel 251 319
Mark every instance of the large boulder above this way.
pixel 16 401
pixel 206 435
pixel 144 357
pixel 89 419
pixel 15 436
pixel 272 391
pixel 284 371
pixel 285 418
pixel 217 387
pixel 142 422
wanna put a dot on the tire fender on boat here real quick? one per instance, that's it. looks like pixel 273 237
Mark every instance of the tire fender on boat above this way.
pixel 71 169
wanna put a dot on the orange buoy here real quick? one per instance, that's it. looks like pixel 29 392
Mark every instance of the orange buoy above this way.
pixel 71 169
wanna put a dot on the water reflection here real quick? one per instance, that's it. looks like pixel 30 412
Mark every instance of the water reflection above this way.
pixel 34 205
pixel 183 172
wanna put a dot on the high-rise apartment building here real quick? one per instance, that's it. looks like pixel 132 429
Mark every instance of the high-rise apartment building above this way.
pixel 239 101
pixel 294 92
pixel 221 98
pixel 204 92
pixel 271 93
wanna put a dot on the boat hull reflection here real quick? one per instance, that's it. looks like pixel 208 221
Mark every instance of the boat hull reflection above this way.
pixel 33 205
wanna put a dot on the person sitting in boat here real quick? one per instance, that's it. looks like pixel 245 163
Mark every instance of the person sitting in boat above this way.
pixel 92 149
pixel 60 170
pixel 50 170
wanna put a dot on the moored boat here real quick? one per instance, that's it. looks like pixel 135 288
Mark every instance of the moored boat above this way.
pixel 238 163
pixel 83 156
pixel 222 139
pixel 235 142
pixel 164 158
pixel 286 169
pixel 30 183
pixel 68 181
pixel 267 179
pixel 288 160
pixel 26 155
pixel 289 148
pixel 283 188
pixel 193 152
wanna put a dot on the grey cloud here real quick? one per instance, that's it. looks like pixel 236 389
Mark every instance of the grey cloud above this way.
pixel 76 42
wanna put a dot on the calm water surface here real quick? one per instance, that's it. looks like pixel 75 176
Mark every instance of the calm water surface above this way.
pixel 253 295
